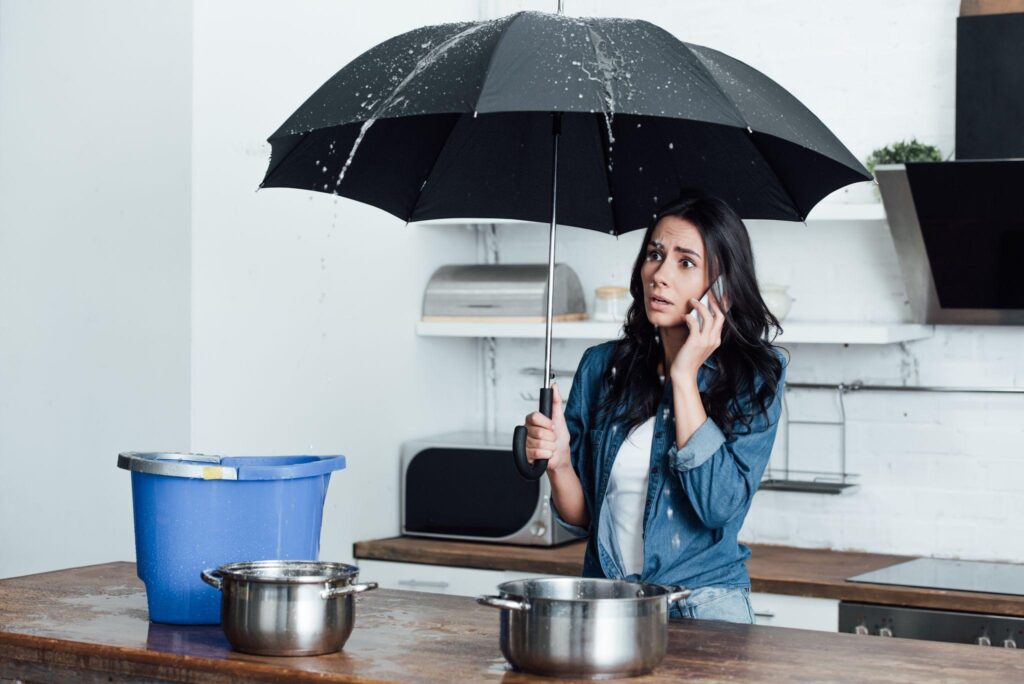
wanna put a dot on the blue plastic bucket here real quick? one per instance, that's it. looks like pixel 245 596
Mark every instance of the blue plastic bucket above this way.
pixel 194 511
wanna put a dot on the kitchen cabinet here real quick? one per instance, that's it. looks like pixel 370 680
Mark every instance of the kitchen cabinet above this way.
pixel 437 579
pixel 800 612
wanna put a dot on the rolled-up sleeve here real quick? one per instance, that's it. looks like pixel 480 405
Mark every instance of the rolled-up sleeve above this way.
pixel 720 476
pixel 576 420
pixel 575 530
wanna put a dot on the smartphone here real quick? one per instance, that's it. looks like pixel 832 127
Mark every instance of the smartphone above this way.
pixel 718 287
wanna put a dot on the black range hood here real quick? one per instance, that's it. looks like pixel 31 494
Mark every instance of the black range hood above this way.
pixel 958 228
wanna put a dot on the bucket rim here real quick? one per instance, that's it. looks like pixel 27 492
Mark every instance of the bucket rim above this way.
pixel 213 467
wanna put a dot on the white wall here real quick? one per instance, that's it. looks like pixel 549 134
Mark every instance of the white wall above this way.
pixel 940 474
pixel 95 107
pixel 305 305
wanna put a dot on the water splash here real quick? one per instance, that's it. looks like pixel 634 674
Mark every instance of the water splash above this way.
pixel 395 98
pixel 604 66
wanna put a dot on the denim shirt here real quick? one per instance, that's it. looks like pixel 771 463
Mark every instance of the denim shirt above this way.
pixel 697 496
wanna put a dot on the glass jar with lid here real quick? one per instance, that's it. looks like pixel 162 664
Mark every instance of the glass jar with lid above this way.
pixel 610 303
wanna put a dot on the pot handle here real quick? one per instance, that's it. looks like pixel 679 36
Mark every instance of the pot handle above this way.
pixel 337 592
pixel 499 602
pixel 677 593
pixel 212 577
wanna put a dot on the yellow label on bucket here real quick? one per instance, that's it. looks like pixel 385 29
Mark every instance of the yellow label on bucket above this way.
pixel 213 473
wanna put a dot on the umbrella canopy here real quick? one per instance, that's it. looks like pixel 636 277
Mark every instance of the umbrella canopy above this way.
pixel 454 120
pixel 469 120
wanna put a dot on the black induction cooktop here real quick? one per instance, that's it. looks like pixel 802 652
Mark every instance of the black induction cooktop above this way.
pixel 953 575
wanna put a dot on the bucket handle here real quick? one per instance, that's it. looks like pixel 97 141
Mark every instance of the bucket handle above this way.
pixel 346 590
pixel 500 602
pixel 212 577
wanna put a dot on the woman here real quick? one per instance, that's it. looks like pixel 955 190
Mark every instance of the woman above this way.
pixel 668 430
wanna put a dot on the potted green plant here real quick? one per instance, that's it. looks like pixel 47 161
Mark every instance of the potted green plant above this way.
pixel 900 153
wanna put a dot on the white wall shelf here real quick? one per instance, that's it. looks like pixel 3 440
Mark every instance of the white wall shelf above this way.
pixel 794 332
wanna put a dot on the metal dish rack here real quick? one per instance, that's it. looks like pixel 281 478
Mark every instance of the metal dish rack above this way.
pixel 786 479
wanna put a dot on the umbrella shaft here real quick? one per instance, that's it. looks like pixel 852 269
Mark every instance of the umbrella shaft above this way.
pixel 556 131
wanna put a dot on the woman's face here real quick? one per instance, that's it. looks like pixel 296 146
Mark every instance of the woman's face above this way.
pixel 673 272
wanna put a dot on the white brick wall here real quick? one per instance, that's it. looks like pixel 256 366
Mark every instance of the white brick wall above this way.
pixel 940 474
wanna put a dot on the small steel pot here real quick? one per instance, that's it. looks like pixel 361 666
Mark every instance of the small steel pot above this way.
pixel 287 608
pixel 567 627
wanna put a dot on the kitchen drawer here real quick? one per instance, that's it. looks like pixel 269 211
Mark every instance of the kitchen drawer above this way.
pixel 801 612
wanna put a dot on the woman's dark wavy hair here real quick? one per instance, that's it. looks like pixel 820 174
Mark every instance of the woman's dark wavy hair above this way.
pixel 745 352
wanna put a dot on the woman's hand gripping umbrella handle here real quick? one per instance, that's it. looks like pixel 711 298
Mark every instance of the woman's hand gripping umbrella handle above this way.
pixel 531 471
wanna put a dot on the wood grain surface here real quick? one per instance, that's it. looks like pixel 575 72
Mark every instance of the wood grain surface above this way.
pixel 90 625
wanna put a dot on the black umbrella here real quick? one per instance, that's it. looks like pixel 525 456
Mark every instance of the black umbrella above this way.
pixel 600 119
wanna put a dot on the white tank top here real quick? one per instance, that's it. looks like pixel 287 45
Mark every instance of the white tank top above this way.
pixel 627 495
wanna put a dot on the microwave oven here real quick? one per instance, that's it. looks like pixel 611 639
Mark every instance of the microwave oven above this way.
pixel 464 485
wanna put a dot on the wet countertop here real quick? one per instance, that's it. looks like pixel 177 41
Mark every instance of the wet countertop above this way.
pixel 90 624
pixel 774 569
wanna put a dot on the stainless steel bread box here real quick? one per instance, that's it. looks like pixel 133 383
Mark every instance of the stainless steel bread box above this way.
pixel 502 292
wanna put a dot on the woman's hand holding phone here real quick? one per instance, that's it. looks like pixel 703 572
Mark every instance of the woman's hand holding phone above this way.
pixel 705 322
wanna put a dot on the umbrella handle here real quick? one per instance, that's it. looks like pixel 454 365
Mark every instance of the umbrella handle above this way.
pixel 531 471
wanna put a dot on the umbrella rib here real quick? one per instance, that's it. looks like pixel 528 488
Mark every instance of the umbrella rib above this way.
pixel 288 154
pixel 782 184
pixel 433 165
pixel 490 59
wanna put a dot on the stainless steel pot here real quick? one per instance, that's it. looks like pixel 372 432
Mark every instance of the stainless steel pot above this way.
pixel 562 626
pixel 288 608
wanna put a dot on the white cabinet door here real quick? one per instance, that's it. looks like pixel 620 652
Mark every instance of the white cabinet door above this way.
pixel 801 612
pixel 436 579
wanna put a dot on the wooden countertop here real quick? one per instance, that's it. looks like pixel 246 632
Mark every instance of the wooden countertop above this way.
pixel 90 624
pixel 776 569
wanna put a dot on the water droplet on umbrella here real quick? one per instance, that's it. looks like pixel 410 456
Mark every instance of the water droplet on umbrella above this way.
pixel 671 146
pixel 670 513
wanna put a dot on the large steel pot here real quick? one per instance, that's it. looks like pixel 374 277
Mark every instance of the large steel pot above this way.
pixel 562 626
pixel 287 608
